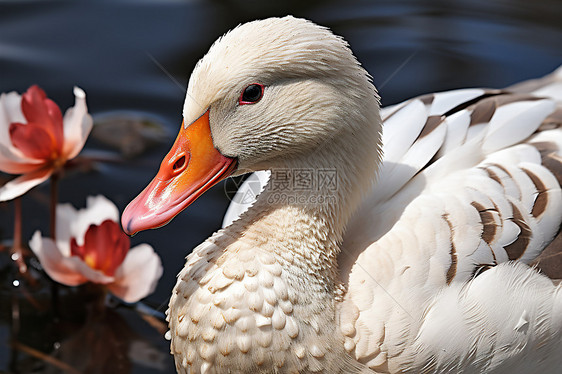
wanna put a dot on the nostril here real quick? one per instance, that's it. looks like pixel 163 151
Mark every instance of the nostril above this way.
pixel 180 162
pixel 173 165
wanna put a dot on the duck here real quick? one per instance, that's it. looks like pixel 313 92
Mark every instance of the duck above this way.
pixel 394 240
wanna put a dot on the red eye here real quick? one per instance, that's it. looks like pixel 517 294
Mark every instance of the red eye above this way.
pixel 251 94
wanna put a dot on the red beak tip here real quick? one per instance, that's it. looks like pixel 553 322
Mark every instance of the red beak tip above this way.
pixel 127 222
pixel 126 225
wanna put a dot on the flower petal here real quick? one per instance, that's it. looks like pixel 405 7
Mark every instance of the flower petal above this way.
pixel 10 156
pixel 33 140
pixel 77 125
pixel 54 262
pixel 12 161
pixel 105 247
pixel 66 270
pixel 90 274
pixel 10 110
pixel 98 209
pixel 39 109
pixel 20 185
pixel 138 275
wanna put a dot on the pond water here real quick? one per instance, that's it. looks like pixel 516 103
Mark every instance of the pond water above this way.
pixel 137 56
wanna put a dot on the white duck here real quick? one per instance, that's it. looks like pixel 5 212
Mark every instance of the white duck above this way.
pixel 421 271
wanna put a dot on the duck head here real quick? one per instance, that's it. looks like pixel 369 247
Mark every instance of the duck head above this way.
pixel 275 93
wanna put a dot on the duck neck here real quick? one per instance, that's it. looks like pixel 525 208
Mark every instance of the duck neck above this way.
pixel 302 213
pixel 298 220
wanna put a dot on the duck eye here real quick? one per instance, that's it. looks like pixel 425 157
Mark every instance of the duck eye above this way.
pixel 251 94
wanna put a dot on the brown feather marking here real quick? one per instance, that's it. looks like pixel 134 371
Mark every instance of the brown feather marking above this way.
pixel 549 262
pixel 554 119
pixel 494 176
pixel 453 252
pixel 430 124
pixel 512 98
pixel 488 222
pixel 502 169
pixel 508 174
pixel 545 148
pixel 516 249
pixel 542 198
pixel 483 111
pixel 469 103
pixel 550 158
pixel 480 269
pixel 427 99
pixel 553 163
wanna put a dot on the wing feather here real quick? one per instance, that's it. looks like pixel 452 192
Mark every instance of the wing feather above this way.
pixel 402 129
pixel 445 101
pixel 478 194
pixel 514 122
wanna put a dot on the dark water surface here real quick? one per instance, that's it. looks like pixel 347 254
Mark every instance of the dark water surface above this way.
pixel 136 56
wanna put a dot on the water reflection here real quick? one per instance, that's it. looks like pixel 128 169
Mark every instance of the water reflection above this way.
pixel 110 49
pixel 82 334
pixel 105 343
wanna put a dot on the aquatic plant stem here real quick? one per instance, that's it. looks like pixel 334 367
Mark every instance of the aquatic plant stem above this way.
pixel 53 206
pixel 53 228
pixel 17 250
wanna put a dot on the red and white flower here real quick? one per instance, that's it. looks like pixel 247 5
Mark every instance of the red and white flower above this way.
pixel 91 247
pixel 35 138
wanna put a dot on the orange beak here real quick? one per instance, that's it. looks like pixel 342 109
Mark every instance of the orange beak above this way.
pixel 192 166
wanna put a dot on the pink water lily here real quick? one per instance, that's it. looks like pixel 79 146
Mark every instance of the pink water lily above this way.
pixel 91 247
pixel 35 138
